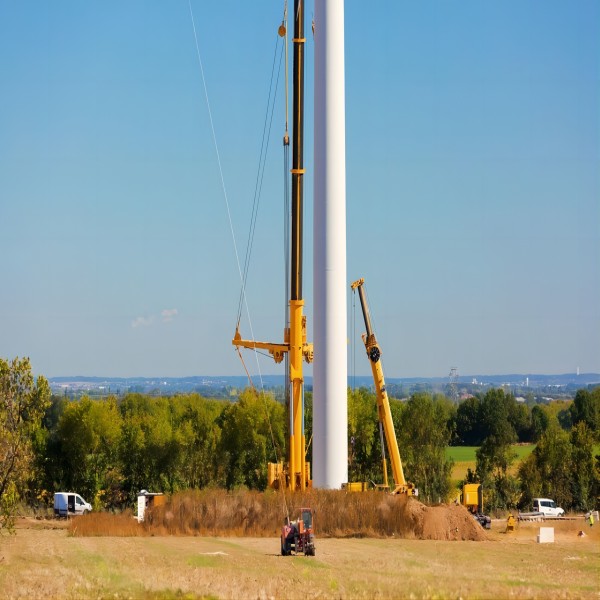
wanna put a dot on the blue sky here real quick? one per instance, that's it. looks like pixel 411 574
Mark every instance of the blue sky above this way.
pixel 473 184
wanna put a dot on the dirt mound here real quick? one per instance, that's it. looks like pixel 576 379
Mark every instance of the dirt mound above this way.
pixel 442 522
pixel 373 514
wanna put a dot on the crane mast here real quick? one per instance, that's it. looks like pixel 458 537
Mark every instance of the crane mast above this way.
pixel 296 474
pixel 383 404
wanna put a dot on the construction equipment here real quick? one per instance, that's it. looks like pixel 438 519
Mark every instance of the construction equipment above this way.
pixel 295 474
pixel 298 535
pixel 386 424
pixel 472 499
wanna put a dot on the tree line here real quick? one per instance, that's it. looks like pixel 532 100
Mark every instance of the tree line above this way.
pixel 108 450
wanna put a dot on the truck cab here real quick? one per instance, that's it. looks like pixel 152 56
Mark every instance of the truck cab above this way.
pixel 547 507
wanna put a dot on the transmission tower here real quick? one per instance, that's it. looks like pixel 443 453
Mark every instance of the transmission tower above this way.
pixel 454 384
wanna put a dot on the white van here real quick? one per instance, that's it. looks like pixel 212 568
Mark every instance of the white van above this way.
pixel 68 504
pixel 547 507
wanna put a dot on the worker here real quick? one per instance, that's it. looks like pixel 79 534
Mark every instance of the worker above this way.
pixel 289 530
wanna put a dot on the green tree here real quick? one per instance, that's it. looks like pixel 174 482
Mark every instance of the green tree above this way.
pixel 530 479
pixel 201 438
pixel 468 426
pixel 48 465
pixel 562 467
pixel 548 471
pixel 252 435
pixel 565 419
pixel 169 444
pixel 584 474
pixel 23 401
pixel 136 466
pixel 423 437
pixel 364 449
pixel 396 408
pixel 520 418
pixel 556 413
pixel 160 449
pixel 89 432
pixel 539 422
pixel 586 408
pixel 495 455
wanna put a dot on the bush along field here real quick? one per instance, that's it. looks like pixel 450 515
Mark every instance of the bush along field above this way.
pixel 261 514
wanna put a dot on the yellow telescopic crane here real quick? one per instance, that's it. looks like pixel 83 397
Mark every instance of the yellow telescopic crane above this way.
pixel 294 475
pixel 386 424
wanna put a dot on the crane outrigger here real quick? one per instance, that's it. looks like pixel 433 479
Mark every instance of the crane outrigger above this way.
pixel 295 475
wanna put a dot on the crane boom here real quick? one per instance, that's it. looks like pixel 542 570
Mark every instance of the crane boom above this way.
pixel 401 486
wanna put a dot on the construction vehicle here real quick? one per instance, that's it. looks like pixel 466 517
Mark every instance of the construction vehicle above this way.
pixel 472 499
pixel 298 536
pixel 386 424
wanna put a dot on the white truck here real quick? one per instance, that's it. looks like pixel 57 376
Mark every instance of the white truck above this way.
pixel 547 507
pixel 69 504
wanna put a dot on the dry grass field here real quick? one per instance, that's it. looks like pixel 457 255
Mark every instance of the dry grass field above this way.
pixel 45 561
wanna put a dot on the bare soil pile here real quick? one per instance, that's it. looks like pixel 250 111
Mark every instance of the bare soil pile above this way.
pixel 374 514
pixel 442 522
pixel 258 514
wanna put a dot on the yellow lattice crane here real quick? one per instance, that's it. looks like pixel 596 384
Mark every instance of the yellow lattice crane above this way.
pixel 295 474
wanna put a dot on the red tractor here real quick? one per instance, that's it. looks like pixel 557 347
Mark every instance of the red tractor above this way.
pixel 298 535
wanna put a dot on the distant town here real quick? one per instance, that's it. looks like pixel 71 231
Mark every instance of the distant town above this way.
pixel 526 388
